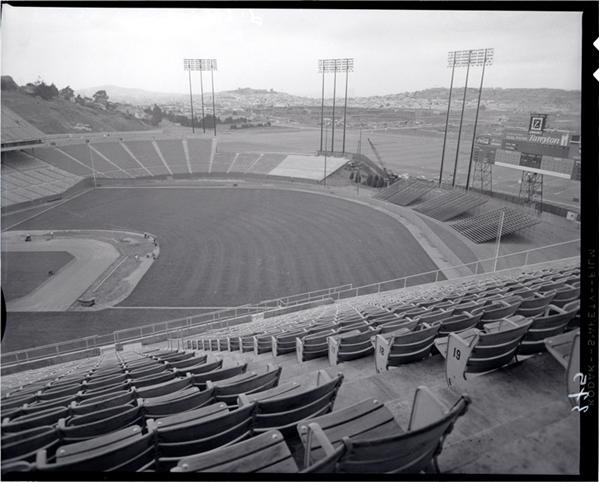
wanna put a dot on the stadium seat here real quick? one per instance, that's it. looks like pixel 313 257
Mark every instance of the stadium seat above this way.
pixel 350 345
pixel 179 401
pixel 84 427
pixel 552 321
pixel 164 388
pixel 102 402
pixel 266 453
pixel 200 379
pixel 474 351
pixel 127 450
pixel 200 368
pixel 404 345
pixel 366 438
pixel 313 346
pixel 283 410
pixel 250 382
pixel 199 431
pixel 23 446
pixel 566 348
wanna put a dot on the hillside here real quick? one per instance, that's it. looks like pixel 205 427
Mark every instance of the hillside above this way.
pixel 57 116
pixel 515 100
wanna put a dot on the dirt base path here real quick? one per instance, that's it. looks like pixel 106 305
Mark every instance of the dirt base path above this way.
pixel 91 259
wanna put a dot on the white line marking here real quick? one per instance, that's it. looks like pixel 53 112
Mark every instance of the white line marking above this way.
pixel 134 158
pixel 255 162
pixel 157 149
pixel 45 210
pixel 233 161
pixel 109 273
pixel 108 160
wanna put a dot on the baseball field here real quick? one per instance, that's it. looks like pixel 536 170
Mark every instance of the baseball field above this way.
pixel 225 247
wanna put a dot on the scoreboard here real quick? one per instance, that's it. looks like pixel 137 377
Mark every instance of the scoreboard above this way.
pixel 554 153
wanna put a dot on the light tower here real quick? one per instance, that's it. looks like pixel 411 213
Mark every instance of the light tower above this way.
pixel 465 58
pixel 327 66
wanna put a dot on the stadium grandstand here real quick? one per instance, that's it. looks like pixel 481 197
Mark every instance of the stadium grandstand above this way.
pixel 461 360
pixel 245 301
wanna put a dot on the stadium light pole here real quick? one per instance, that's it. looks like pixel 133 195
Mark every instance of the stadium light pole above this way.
pixel 488 58
pixel 333 110
pixel 466 58
pixel 322 105
pixel 202 101
pixel 462 113
pixel 450 55
pixel 349 66
pixel 328 66
pixel 189 65
pixel 213 66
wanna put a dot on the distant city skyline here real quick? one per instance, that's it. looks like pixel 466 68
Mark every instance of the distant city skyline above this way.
pixel 395 51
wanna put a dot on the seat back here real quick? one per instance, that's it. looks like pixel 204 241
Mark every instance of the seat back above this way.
pixel 181 401
pixel 409 452
pixel 283 413
pixel 414 345
pixel 24 445
pixel 228 391
pixel 265 453
pixel 495 349
pixel 201 368
pixel 126 450
pixel 201 430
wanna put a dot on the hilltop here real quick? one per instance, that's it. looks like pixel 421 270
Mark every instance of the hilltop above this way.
pixel 544 100
pixel 57 115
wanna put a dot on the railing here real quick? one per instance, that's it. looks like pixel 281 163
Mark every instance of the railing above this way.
pixel 232 316
pixel 164 327
pixel 518 259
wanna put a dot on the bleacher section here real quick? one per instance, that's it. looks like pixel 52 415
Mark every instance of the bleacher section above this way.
pixel 244 161
pixel 267 162
pixel 222 161
pixel 168 409
pixel 102 167
pixel 120 157
pixel 199 152
pixel 404 193
pixel 307 167
pixel 25 178
pixel 449 205
pixel 59 159
pixel 173 153
pixel 484 227
pixel 16 131
pixel 144 151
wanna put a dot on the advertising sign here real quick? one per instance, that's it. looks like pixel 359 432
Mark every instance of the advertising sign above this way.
pixel 537 123
pixel 547 143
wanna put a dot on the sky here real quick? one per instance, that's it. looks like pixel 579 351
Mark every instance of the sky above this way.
pixel 394 50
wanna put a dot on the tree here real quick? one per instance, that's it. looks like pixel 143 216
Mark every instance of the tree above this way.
pixel 351 175
pixel 45 91
pixel 101 97
pixel 7 83
pixel 370 180
pixel 67 93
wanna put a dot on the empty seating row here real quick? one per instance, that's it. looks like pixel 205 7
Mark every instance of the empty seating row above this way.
pixel 484 227
pixel 215 439
pixel 449 205
pixel 185 431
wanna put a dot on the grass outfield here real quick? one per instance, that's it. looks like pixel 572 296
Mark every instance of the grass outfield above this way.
pixel 23 272
pixel 227 247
